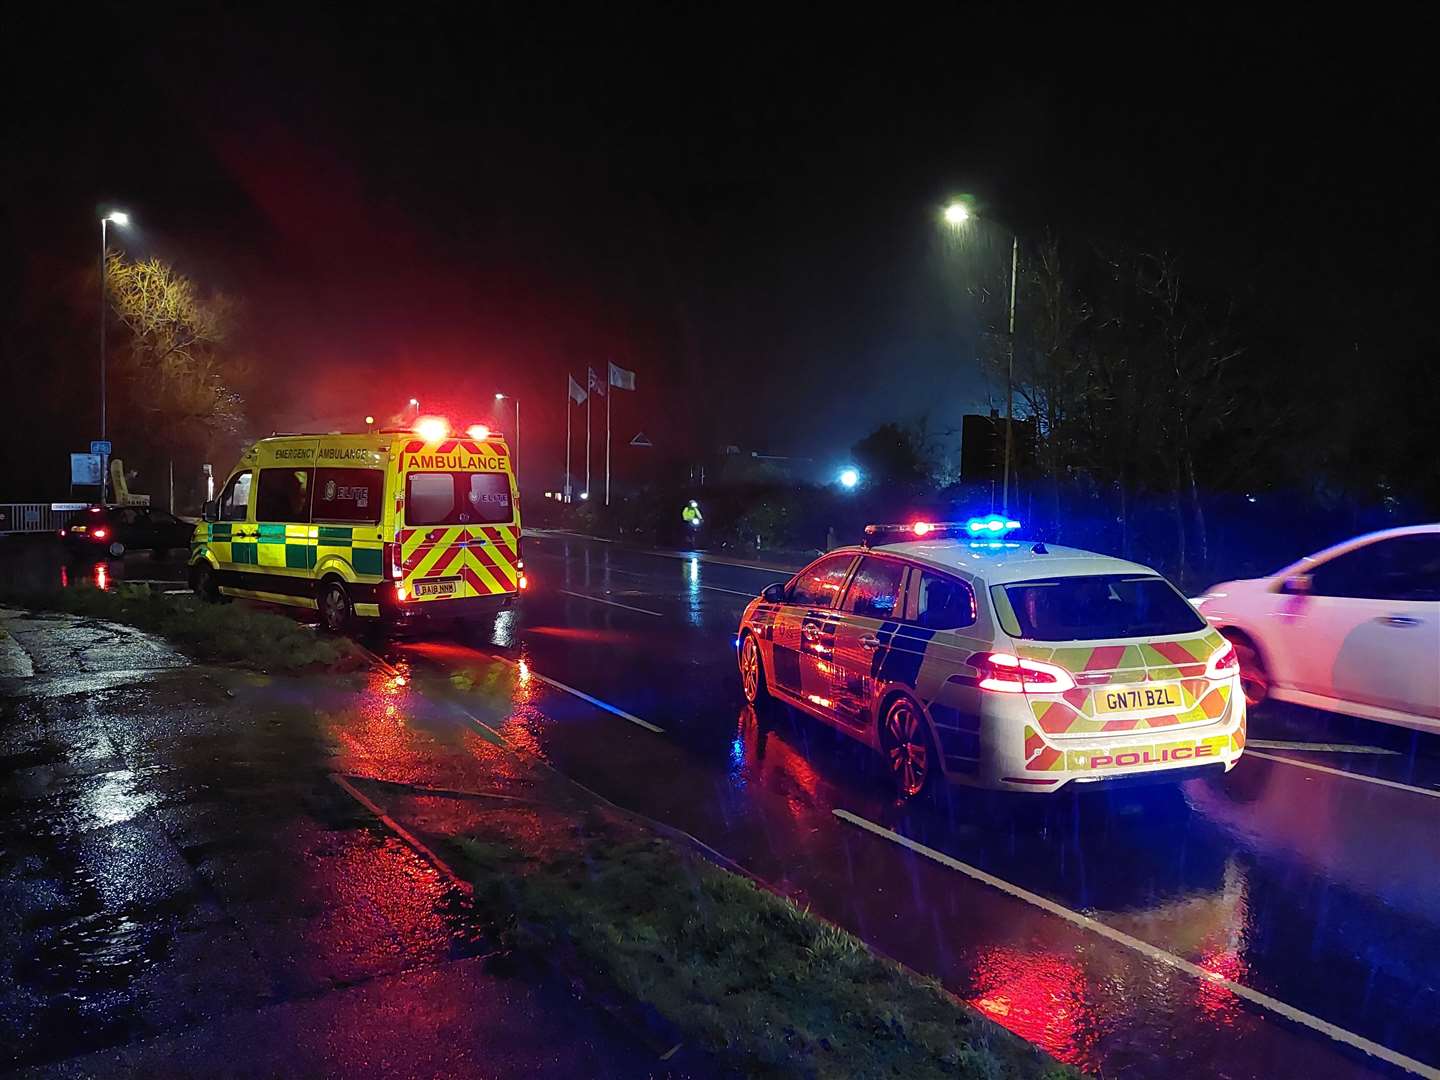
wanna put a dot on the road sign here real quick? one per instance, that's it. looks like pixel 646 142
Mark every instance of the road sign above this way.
pixel 86 469
pixel 641 440
pixel 100 446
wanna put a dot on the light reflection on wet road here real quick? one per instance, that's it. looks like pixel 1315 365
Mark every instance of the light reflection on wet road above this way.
pixel 1314 889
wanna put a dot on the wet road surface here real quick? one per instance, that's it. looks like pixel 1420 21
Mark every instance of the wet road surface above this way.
pixel 1298 878
pixel 184 891
pixel 1313 890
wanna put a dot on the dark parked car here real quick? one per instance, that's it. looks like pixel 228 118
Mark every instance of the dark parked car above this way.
pixel 114 530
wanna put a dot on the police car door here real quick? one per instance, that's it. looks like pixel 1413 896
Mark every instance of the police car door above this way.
pixel 870 606
pixel 802 645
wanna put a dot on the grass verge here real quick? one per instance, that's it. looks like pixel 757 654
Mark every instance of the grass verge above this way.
pixel 769 988
pixel 221 633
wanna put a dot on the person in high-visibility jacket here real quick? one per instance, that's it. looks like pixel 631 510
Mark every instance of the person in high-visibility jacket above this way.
pixel 692 515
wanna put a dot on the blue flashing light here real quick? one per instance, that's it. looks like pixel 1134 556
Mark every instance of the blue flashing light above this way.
pixel 992 525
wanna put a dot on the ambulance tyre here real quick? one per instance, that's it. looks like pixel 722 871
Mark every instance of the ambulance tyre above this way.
pixel 116 549
pixel 336 612
pixel 907 747
pixel 202 581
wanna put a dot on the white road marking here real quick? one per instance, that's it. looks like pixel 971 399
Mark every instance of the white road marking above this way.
pixel 1151 952
pixel 1378 781
pixel 1320 748
pixel 732 592
pixel 612 603
pixel 399 830
pixel 614 710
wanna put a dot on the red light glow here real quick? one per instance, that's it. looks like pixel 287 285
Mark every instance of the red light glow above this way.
pixel 1224 662
pixel 100 534
pixel 478 432
pixel 432 428
pixel 1007 674
pixel 921 528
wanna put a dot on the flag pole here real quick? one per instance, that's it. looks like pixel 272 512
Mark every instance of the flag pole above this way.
pixel 588 395
pixel 567 437
pixel 608 396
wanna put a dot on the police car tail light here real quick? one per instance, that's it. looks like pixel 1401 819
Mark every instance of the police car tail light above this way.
pixel 1005 673
pixel 1223 663
pixel 100 534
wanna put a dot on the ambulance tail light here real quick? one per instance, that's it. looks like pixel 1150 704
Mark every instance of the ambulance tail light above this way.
pixel 100 533
pixel 1004 673
pixel 524 583
pixel 1223 663
pixel 392 560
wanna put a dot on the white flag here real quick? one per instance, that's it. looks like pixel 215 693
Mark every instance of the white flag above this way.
pixel 577 392
pixel 597 384
pixel 625 380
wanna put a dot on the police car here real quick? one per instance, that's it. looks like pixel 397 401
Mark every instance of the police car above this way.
pixel 963 655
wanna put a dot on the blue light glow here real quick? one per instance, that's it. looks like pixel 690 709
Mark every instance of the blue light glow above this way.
pixel 991 525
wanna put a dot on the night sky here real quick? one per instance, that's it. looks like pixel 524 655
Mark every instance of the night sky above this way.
pixel 743 211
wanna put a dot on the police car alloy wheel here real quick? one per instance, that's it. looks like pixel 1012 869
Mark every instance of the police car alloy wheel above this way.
pixel 334 607
pixel 116 549
pixel 752 675
pixel 906 745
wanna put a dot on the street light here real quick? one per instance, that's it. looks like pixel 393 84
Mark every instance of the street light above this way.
pixel 515 447
pixel 849 477
pixel 956 215
pixel 415 404
pixel 119 217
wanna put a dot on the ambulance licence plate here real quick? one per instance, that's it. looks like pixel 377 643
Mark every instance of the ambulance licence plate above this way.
pixel 1139 698
pixel 445 586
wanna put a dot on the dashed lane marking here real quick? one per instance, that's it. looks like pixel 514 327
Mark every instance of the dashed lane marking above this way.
pixel 614 710
pixel 1152 952
pixel 1376 780
pixel 612 603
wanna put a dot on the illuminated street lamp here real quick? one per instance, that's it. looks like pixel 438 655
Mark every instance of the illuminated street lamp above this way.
pixel 956 215
pixel 849 477
pixel 119 217
pixel 415 404
pixel 515 446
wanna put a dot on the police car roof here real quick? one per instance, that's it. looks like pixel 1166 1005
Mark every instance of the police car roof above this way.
pixel 999 562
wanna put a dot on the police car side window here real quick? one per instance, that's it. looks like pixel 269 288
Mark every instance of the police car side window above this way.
pixel 821 584
pixel 875 588
pixel 944 603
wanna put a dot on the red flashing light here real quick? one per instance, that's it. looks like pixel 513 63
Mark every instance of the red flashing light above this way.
pixel 1007 674
pixel 432 428
pixel 478 432
pixel 920 528
pixel 100 534
pixel 1223 663
pixel 524 582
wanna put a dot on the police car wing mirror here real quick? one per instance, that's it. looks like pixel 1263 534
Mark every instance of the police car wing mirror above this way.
pixel 1297 585
pixel 774 593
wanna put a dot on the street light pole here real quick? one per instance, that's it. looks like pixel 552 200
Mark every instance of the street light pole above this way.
pixel 119 217
pixel 1010 375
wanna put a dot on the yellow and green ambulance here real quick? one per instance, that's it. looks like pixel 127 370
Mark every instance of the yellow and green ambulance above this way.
pixel 391 523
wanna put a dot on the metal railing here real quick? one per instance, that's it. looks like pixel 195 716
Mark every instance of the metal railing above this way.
pixel 37 517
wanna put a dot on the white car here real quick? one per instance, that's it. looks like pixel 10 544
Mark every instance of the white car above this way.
pixel 1352 629
pixel 962 656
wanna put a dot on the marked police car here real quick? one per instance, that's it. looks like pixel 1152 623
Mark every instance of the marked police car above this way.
pixel 962 655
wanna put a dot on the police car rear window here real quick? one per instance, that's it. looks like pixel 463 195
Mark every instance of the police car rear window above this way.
pixel 458 498
pixel 1099 606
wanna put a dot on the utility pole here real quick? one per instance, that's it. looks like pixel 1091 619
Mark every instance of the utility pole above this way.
pixel 1010 374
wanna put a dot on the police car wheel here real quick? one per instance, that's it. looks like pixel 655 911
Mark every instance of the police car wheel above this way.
pixel 116 549
pixel 752 671
pixel 908 750
pixel 335 608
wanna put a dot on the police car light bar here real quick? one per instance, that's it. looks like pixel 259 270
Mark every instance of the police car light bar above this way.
pixel 992 527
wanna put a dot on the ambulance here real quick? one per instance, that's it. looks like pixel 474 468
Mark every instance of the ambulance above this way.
pixel 393 523
pixel 964 656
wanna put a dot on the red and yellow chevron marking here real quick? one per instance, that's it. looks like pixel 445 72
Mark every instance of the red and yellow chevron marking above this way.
pixel 1040 757
pixel 486 568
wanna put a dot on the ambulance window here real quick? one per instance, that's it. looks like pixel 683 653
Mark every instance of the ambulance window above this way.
pixel 458 499
pixel 284 494
pixel 348 494
pixel 235 499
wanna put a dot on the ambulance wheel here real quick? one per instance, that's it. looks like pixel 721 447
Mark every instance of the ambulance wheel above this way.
pixel 116 549
pixel 907 747
pixel 202 580
pixel 336 612
pixel 752 672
